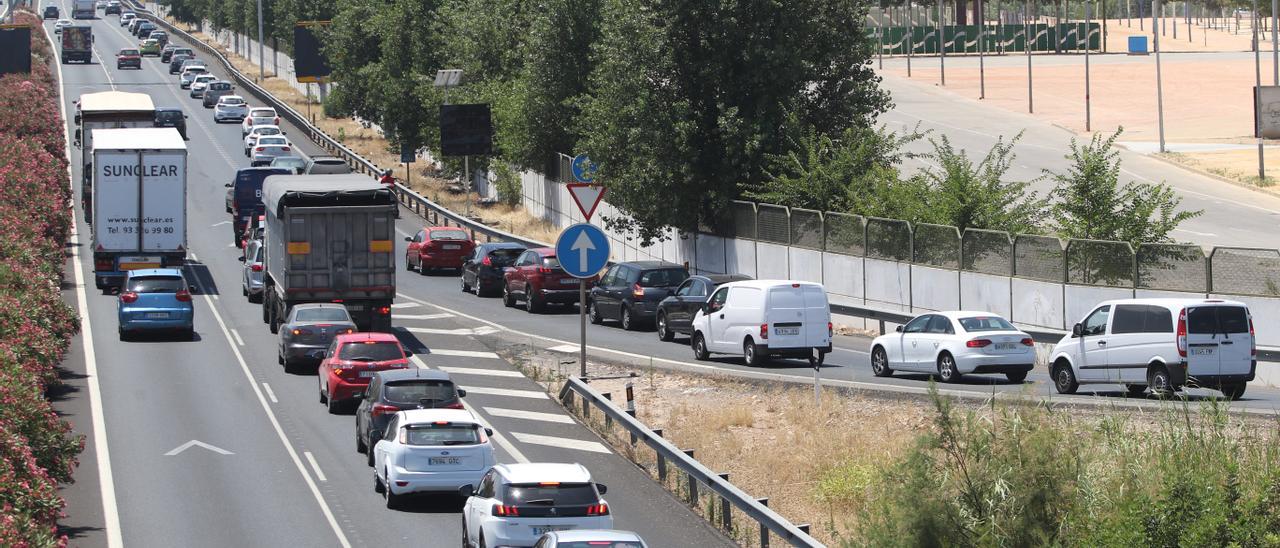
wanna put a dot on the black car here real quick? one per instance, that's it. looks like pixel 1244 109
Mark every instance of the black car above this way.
pixel 51 12
pixel 396 390
pixel 630 292
pixel 172 117
pixel 167 56
pixel 482 270
pixel 160 36
pixel 112 8
pixel 175 62
pixel 675 313
pixel 144 30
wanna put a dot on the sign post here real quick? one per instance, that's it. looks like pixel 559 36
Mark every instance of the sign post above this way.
pixel 583 250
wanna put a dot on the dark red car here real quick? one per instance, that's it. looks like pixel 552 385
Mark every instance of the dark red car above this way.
pixel 129 57
pixel 438 247
pixel 537 279
pixel 352 360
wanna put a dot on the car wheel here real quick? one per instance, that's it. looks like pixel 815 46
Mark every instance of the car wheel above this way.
pixel 408 265
pixel 393 500
pixel 324 396
pixel 1160 382
pixel 465 288
pixel 531 302
pixel 627 323
pixel 124 336
pixel 482 543
pixel 1234 390
pixel 751 354
pixel 507 299
pixel 1136 390
pixel 947 368
pixel 368 455
pixel 1064 379
pixel 360 446
pixel 664 334
pixel 594 314
pixel 699 347
pixel 332 406
pixel 377 483
pixel 244 290
pixel 880 363
pixel 1016 376
pixel 466 539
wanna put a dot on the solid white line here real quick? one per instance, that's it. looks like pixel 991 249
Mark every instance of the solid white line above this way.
pixel 530 394
pixel 236 334
pixel 315 465
pixel 398 306
pixel 481 372
pixel 528 415
pixel 562 443
pixel 482 330
pixel 270 393
pixel 463 353
pixel 439 316
pixel 497 437
pixel 101 453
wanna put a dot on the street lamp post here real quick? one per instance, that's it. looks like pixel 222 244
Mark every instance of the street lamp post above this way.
pixel 1155 31
pixel 262 61
pixel 1257 94
pixel 1088 31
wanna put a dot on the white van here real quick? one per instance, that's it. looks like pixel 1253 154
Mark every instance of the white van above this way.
pixel 1163 344
pixel 761 319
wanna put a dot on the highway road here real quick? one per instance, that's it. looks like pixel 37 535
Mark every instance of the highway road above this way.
pixel 271 467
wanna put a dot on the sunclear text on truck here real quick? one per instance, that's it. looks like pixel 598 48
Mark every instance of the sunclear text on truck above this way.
pixel 329 239
pixel 139 202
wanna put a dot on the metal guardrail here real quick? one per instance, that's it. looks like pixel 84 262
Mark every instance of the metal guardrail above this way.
pixel 770 522
pixel 419 204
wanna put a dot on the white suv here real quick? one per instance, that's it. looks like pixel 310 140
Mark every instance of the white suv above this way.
pixel 1163 344
pixel 517 503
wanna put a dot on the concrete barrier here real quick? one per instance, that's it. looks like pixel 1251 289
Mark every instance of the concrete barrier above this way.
pixel 986 292
pixel 1082 299
pixel 1037 303
pixel 888 283
pixel 806 265
pixel 842 275
pixel 934 289
pixel 772 261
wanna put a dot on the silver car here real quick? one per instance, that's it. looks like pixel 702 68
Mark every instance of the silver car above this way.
pixel 270 147
pixel 290 162
pixel 251 281
pixel 230 108
pixel 311 327
pixel 190 73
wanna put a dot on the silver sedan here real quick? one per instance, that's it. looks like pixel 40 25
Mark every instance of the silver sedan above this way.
pixel 251 282
pixel 270 147
pixel 311 327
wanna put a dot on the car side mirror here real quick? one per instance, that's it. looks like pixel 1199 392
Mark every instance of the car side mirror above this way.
pixel 1077 331
pixel 488 431
pixel 466 491
pixel 898 329
pixel 462 393
pixel 408 353
pixel 241 258
pixel 408 239
pixel 602 488
pixel 228 185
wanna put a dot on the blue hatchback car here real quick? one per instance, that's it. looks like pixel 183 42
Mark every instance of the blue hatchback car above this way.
pixel 155 299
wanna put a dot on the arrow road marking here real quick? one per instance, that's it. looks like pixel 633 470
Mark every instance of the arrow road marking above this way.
pixel 583 245
pixel 197 443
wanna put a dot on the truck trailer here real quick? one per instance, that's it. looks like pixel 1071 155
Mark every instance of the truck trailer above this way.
pixel 139 202
pixel 82 9
pixel 77 44
pixel 329 238
pixel 106 110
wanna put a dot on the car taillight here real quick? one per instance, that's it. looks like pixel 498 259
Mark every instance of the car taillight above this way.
pixel 544 270
pixel 831 330
pixel 978 343
pixel 454 406
pixel 128 297
pixel 637 291
pixel 277 120
pixel 183 296
pixel 1028 341
pixel 383 409
pixel 487 261
pixel 1253 340
pixel 505 510
pixel 286 149
pixel 259 149
pixel 301 331
pixel 1182 333
pixel 249 120
pixel 256 268
pixel 384 310
pixel 601 509
pixel 764 331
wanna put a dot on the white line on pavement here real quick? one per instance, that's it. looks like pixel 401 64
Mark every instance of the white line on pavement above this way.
pixel 565 348
pixel 236 334
pixel 497 437
pixel 399 306
pixel 439 316
pixel 530 394
pixel 528 415
pixel 481 372
pixel 463 353
pixel 315 465
pixel 563 443
pixel 270 393
pixel 482 330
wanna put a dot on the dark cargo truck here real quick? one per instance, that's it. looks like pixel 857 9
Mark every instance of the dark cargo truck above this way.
pixel 329 239
pixel 77 44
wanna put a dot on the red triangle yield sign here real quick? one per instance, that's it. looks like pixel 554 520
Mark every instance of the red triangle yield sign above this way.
pixel 587 196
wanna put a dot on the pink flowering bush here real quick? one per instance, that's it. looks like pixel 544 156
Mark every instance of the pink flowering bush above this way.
pixel 37 449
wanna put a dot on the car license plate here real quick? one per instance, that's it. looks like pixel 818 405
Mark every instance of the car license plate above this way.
pixel 1205 351
pixel 157 315
pixel 539 531
pixel 367 374
pixel 792 331
pixel 354 307
pixel 139 263
pixel 569 281
pixel 1006 346
pixel 444 461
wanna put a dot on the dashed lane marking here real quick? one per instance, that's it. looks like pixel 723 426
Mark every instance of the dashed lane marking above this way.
pixel 497 437
pixel 481 372
pixel 562 443
pixel 315 465
pixel 270 393
pixel 439 316
pixel 399 306
pixel 529 394
pixel 528 415
pixel 482 330
pixel 463 353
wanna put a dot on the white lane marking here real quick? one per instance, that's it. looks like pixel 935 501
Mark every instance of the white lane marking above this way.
pixel 236 334
pixel 463 353
pixel 497 437
pixel 216 225
pixel 530 394
pixel 480 372
pixel 275 423
pixel 483 330
pixel 1194 232
pixel 561 443
pixel 315 466
pixel 101 453
pixel 197 443
pixel 399 306
pixel 270 393
pixel 570 348
pixel 528 415
pixel 439 316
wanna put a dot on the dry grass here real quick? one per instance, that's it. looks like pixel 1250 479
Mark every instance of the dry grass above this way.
pixel 426 178
pixel 1240 166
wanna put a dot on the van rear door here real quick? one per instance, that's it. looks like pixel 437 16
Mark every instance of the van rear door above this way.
pixel 1218 340
pixel 786 316
pixel 817 317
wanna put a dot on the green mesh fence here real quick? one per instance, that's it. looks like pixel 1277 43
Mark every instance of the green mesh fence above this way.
pixel 936 245
pixel 1245 271
pixel 806 228
pixel 1039 257
pixel 1095 262
pixel 845 234
pixel 1173 267
pixel 987 251
pixel 772 224
pixel 888 239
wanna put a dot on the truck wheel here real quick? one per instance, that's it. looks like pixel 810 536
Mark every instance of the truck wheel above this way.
pixel 1234 390
pixel 274 322
pixel 266 302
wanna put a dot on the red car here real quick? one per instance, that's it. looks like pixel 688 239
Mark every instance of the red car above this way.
pixel 352 360
pixel 438 247
pixel 537 279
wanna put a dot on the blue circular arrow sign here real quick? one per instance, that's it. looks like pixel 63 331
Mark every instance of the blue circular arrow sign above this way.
pixel 583 170
pixel 582 250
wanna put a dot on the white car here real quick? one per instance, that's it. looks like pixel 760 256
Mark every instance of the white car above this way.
pixel 951 344
pixel 590 538
pixel 189 75
pixel 251 138
pixel 230 108
pixel 1163 344
pixel 200 82
pixel 127 18
pixel 259 116
pixel 761 319
pixel 515 504
pixel 430 451
pixel 268 148
pixel 61 24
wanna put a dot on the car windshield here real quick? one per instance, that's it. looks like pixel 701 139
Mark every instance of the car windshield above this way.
pixel 550 262
pixel 266 140
pixel 448 235
pixel 442 434
pixel 322 315
pixel 374 351
pixel 156 284
pixel 504 257
pixel 667 277
pixel 415 391
pixel 986 323
pixel 168 115
pixel 1217 319
pixel 128 52
pixel 232 101
pixel 564 494
pixel 263 113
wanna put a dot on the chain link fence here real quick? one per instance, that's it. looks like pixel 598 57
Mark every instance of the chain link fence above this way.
pixel 936 245
pixel 1173 267
pixel 1245 271
pixel 1039 257
pixel 1103 263
pixel 773 224
pixel 987 251
pixel 806 228
pixel 846 234
pixel 888 239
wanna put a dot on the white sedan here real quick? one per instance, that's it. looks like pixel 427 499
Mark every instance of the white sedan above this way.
pixel 199 83
pixel 251 138
pixel 61 24
pixel 268 148
pixel 430 450
pixel 259 116
pixel 951 344
pixel 230 108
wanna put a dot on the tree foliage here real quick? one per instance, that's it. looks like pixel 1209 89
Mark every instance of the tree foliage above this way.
pixel 965 194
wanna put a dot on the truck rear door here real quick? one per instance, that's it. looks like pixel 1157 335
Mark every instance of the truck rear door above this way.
pixel 164 201
pixel 786 317
pixel 115 204
pixel 817 317
pixel 343 250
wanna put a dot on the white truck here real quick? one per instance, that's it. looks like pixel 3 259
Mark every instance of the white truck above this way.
pixel 139 201
pixel 106 110
pixel 82 9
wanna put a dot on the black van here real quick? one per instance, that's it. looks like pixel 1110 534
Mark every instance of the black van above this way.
pixel 172 117
pixel 245 192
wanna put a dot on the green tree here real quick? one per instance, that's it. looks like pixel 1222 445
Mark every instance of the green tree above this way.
pixel 965 194
pixel 689 98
